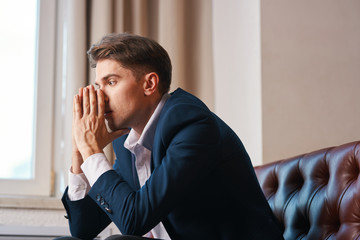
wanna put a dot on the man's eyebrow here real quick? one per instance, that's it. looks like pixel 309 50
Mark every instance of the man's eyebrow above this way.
pixel 106 77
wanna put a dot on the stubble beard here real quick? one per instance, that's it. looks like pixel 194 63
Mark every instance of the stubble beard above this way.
pixel 111 126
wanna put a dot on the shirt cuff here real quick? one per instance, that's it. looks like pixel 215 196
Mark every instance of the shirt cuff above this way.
pixel 78 186
pixel 94 166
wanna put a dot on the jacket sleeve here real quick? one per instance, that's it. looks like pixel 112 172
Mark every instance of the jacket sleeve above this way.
pixel 183 145
pixel 86 219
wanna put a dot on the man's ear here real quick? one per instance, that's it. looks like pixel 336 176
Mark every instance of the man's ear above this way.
pixel 151 83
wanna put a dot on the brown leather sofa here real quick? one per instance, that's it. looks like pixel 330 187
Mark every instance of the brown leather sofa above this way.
pixel 316 195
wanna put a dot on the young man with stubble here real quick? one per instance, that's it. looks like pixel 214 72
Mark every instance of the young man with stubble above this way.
pixel 180 171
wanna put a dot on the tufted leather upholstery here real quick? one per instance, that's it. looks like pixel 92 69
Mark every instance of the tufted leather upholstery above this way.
pixel 316 195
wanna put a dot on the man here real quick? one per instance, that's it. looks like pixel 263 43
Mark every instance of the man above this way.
pixel 180 173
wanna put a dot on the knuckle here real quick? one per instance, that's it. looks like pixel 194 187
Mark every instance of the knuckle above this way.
pixel 92 119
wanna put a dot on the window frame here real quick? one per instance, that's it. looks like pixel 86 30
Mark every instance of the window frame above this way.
pixel 42 182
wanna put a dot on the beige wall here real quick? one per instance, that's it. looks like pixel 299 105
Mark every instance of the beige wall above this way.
pixel 287 74
pixel 310 75
pixel 237 70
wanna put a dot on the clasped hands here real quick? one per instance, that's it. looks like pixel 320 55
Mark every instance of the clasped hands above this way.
pixel 89 132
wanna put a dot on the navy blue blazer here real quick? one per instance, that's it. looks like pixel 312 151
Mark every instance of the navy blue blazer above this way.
pixel 202 183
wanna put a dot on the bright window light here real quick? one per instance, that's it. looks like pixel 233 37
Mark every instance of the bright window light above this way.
pixel 18 27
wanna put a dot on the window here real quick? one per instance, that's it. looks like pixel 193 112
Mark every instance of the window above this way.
pixel 27 46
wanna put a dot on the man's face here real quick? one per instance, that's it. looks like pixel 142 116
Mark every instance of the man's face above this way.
pixel 124 95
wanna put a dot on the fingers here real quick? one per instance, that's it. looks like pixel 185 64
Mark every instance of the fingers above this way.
pixel 92 99
pixel 81 94
pixel 101 103
pixel 85 101
pixel 89 100
pixel 77 107
pixel 79 102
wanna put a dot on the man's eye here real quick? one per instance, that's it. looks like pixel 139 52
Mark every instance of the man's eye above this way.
pixel 96 86
pixel 111 83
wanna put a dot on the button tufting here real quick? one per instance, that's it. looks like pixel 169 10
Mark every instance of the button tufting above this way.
pixel 317 194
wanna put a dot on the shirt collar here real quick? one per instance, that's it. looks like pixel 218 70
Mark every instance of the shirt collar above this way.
pixel 146 139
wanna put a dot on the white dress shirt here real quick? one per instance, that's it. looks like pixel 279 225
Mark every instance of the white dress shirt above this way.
pixel 97 164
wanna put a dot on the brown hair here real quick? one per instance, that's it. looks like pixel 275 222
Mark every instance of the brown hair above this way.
pixel 139 54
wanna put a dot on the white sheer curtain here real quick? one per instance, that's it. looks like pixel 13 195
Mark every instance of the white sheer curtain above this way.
pixel 182 27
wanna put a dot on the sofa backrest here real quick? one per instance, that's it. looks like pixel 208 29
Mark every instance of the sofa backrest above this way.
pixel 316 195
